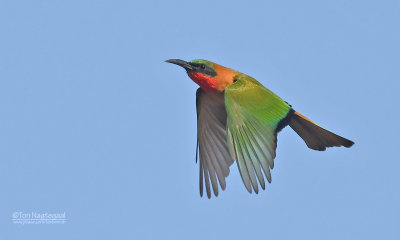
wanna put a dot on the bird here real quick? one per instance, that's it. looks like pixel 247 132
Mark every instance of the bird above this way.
pixel 238 119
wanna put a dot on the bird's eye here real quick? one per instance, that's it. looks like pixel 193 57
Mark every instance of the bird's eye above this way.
pixel 202 66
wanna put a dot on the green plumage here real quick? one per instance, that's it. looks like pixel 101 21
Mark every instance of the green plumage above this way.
pixel 254 113
pixel 247 94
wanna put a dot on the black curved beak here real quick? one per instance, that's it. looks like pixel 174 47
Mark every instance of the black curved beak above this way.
pixel 184 64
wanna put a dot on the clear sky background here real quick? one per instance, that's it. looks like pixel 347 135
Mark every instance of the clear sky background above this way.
pixel 94 123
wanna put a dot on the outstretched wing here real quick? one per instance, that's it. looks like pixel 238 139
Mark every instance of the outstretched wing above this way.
pixel 255 115
pixel 211 139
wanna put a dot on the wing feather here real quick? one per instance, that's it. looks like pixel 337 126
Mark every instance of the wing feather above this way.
pixel 240 162
pixel 252 154
pixel 268 145
pixel 222 166
pixel 253 114
pixel 213 153
pixel 201 177
pixel 247 161
pixel 215 158
pixel 207 180
pixel 262 153
pixel 207 163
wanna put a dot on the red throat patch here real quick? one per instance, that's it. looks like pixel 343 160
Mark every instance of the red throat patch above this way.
pixel 207 83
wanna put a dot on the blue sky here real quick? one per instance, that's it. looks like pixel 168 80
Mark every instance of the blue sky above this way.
pixel 93 123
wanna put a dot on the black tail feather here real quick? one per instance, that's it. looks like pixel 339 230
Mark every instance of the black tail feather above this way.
pixel 315 136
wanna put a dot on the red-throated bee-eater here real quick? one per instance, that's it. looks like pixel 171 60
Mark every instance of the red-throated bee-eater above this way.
pixel 239 119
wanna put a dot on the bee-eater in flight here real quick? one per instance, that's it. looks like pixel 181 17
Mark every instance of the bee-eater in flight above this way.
pixel 239 119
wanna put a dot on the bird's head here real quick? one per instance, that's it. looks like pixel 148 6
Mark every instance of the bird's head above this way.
pixel 208 75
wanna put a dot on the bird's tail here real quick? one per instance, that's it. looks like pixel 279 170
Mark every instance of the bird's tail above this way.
pixel 315 136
